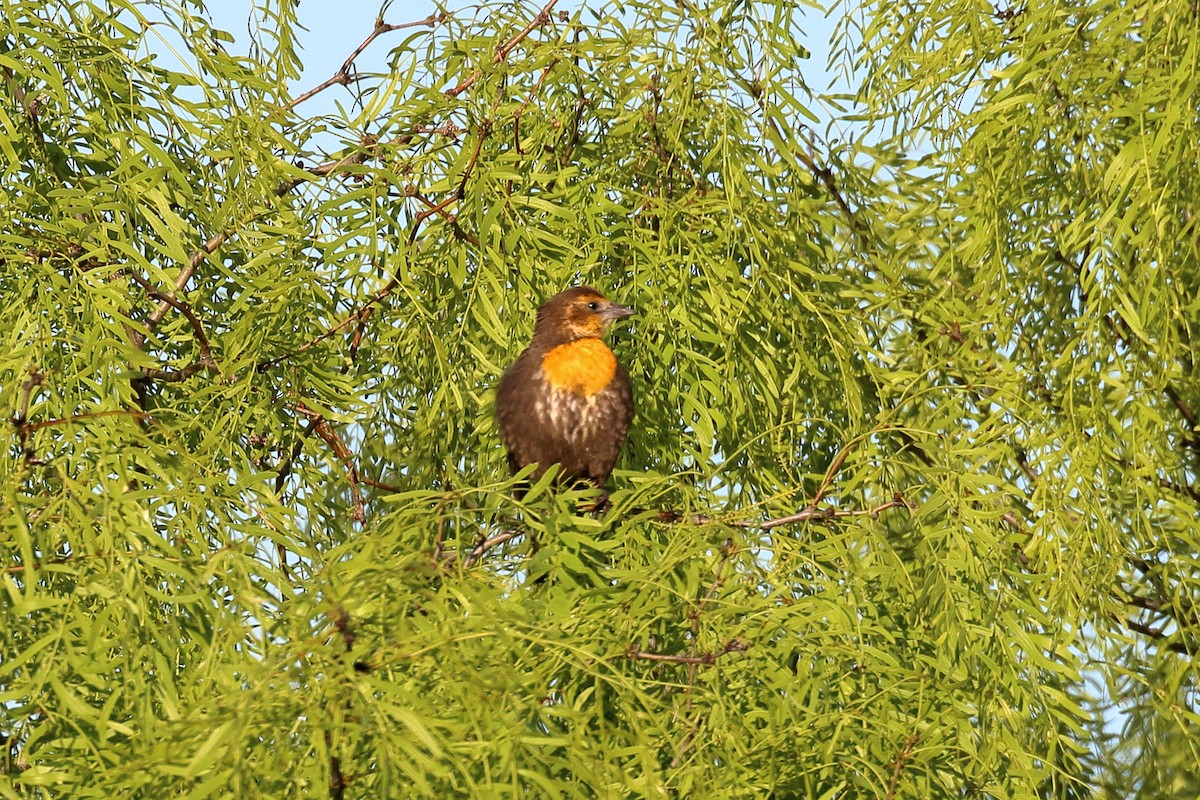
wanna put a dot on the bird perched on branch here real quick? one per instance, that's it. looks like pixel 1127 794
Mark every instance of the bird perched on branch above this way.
pixel 566 400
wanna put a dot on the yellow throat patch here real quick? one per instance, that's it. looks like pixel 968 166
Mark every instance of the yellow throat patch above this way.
pixel 584 366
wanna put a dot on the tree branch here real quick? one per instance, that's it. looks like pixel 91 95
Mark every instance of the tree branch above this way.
pixel 899 761
pixel 342 76
pixel 360 315
pixel 481 548
pixel 525 104
pixel 693 660
pixel 206 357
pixel 1158 635
pixel 34 380
pixel 33 426
pixel 542 18
pixel 343 454
pixel 810 514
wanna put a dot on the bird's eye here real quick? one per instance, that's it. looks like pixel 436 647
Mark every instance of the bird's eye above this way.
pixel 594 306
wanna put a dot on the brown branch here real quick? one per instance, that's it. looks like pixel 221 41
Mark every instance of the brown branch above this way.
pixel 450 218
pixel 206 357
pixel 825 176
pixel 357 158
pixel 693 660
pixel 1023 463
pixel 1171 486
pixel 433 208
pixel 831 473
pixel 899 761
pixel 342 76
pixel 542 18
pixel 910 443
pixel 1142 565
pixel 173 375
pixel 33 426
pixel 34 380
pixel 359 315
pixel 449 130
pixel 1148 603
pixel 337 779
pixel 1186 617
pixel 366 151
pixel 1183 408
pixel 481 548
pixel 532 93
pixel 185 275
pixel 810 514
pixel 1158 635
pixel 343 454
pixel 387 487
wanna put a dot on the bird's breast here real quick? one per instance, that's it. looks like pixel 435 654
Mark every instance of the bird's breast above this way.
pixel 584 367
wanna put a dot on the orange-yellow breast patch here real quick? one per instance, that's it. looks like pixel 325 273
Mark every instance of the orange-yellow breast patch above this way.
pixel 584 366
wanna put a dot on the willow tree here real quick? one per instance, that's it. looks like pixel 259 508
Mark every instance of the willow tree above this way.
pixel 908 508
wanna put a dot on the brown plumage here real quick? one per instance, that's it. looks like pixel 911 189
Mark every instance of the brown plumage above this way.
pixel 566 400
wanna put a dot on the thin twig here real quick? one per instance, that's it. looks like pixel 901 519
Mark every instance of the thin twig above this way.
pixel 898 763
pixel 810 514
pixel 206 356
pixel 343 454
pixel 342 76
pixel 360 314
pixel 831 473
pixel 365 151
pixel 450 218
pixel 33 426
pixel 524 105
pixel 481 549
pixel 173 375
pixel 542 18
pixel 34 380
pixel 1159 635
pixel 693 660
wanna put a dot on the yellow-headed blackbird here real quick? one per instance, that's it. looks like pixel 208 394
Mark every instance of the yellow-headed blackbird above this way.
pixel 566 400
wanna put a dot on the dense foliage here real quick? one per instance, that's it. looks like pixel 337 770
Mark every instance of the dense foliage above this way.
pixel 909 507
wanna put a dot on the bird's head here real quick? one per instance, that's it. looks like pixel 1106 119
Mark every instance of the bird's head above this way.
pixel 577 313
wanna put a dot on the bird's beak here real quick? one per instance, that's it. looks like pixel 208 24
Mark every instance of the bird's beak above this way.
pixel 614 312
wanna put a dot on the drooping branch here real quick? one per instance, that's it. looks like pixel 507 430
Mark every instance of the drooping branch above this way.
pixel 481 549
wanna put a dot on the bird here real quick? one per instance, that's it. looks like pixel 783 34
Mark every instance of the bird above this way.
pixel 566 400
